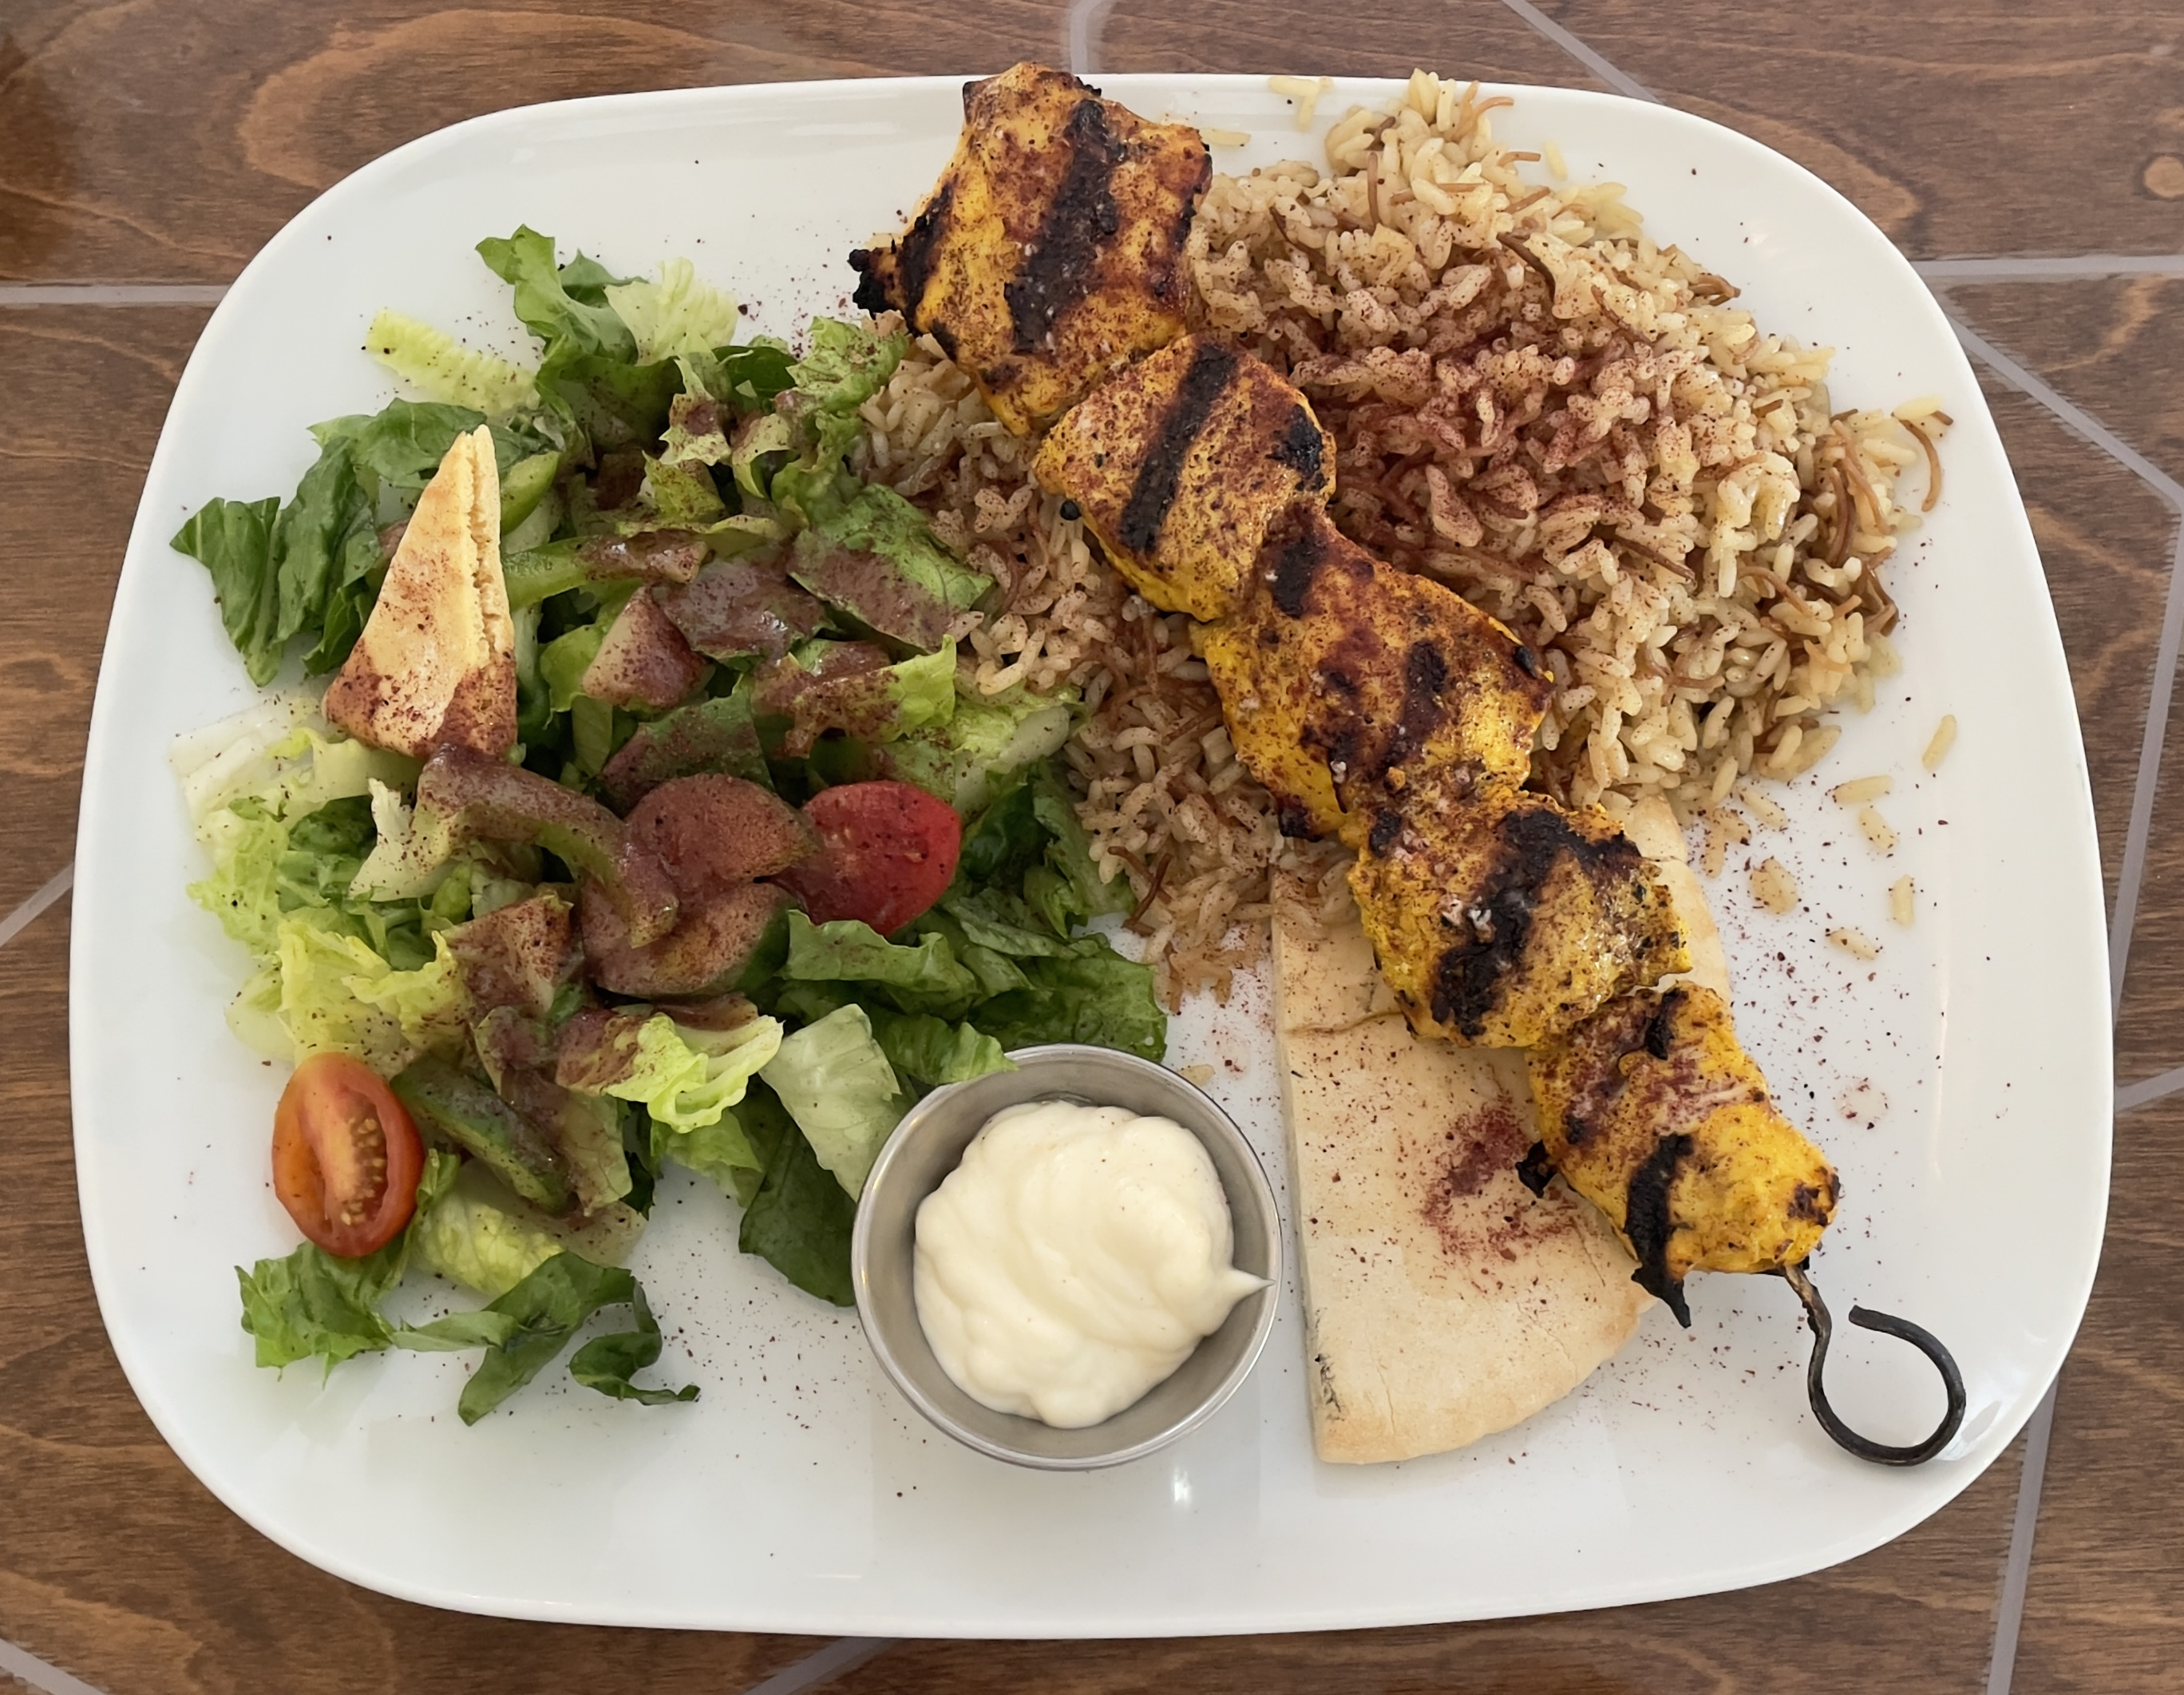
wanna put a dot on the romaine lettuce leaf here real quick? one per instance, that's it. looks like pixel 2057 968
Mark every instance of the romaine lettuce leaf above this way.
pixel 746 378
pixel 806 693
pixel 686 1078
pixel 1030 838
pixel 870 553
pixel 673 315
pixel 402 444
pixel 433 363
pixel 589 374
pixel 680 495
pixel 1099 998
pixel 548 1307
pixel 313 1304
pixel 479 1234
pixel 278 571
pixel 931 1050
pixel 469 1240
pixel 986 741
pixel 925 974
pixel 847 365
pixel 233 540
pixel 836 1083
pixel 565 306
pixel 800 1219
pixel 330 992
pixel 563 661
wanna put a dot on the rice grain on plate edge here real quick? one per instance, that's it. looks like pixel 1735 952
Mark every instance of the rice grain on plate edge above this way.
pixel 1533 403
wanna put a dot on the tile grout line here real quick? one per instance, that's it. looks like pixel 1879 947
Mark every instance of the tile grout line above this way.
pixel 2017 1565
pixel 1080 35
pixel 2069 268
pixel 2153 738
pixel 2149 1089
pixel 47 893
pixel 1597 63
pixel 843 1655
pixel 111 293
pixel 46 1679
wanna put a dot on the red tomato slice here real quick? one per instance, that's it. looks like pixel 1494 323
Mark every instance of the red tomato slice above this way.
pixel 346 1156
pixel 887 852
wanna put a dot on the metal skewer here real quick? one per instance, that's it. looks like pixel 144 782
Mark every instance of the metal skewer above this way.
pixel 1952 1380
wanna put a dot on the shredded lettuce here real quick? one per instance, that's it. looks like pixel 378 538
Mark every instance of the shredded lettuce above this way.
pixel 835 1081
pixel 674 315
pixel 431 361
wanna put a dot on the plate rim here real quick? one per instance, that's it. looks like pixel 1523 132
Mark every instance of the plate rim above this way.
pixel 104 731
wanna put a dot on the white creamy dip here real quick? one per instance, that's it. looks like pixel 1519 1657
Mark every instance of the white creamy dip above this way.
pixel 1073 1260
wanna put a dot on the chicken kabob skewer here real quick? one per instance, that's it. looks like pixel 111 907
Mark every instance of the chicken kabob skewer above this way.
pixel 1378 707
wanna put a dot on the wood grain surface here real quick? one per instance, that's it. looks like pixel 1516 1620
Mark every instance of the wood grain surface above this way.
pixel 2103 1612
pixel 80 412
pixel 1963 126
pixel 1376 38
pixel 2117 349
pixel 159 141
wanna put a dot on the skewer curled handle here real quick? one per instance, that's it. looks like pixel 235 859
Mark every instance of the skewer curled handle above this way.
pixel 1952 1380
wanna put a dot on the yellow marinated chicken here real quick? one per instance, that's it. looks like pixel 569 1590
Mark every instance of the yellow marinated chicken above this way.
pixel 1655 1114
pixel 1180 463
pixel 1340 671
pixel 1050 252
pixel 1500 918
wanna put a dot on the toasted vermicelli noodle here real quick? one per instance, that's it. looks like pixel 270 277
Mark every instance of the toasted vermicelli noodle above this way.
pixel 1533 403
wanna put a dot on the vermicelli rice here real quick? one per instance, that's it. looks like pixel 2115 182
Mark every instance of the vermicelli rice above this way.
pixel 1532 402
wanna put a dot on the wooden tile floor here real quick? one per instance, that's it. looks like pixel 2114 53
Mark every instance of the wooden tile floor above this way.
pixel 2030 155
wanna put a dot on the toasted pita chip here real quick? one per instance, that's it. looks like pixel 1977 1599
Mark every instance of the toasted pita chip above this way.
pixel 436 664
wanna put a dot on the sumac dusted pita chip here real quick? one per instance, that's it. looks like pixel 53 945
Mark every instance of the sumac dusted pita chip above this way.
pixel 436 664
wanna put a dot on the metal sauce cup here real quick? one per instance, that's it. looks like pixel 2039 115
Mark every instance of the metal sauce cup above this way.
pixel 929 1143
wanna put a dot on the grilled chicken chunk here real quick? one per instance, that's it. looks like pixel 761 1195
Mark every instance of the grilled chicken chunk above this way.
pixel 436 664
pixel 1339 672
pixel 1655 1114
pixel 1180 464
pixel 1050 252
pixel 1500 918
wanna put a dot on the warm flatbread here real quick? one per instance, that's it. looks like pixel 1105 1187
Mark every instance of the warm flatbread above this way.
pixel 1443 1302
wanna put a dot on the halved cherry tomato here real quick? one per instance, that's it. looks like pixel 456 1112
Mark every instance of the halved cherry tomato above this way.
pixel 346 1156
pixel 887 852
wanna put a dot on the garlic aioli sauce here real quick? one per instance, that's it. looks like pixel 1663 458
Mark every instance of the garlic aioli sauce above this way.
pixel 1074 1259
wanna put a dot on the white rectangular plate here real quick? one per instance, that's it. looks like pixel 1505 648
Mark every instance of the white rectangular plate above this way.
pixel 800 1493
